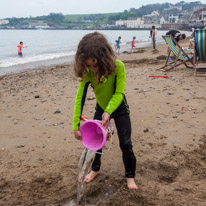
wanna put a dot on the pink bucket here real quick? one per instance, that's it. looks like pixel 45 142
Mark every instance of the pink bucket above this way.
pixel 94 135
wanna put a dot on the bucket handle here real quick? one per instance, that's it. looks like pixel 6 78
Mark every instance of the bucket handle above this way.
pixel 111 141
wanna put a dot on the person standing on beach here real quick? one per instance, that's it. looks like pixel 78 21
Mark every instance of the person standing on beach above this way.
pixel 96 64
pixel 154 37
pixel 20 46
pixel 133 44
pixel 117 46
pixel 150 33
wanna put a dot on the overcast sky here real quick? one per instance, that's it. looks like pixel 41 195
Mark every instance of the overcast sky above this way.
pixel 26 8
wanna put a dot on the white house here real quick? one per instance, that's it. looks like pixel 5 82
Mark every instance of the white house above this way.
pixel 203 15
pixel 134 22
pixel 162 20
pixel 155 13
pixel 38 25
pixel 152 18
pixel 120 23
pixel 4 21
pixel 130 22
pixel 173 19
pixel 203 18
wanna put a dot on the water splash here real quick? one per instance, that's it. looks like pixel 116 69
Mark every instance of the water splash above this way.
pixel 84 165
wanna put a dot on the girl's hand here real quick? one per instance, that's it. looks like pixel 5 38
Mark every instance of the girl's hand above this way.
pixel 77 135
pixel 105 119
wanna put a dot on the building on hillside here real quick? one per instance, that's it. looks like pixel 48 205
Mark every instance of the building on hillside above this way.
pixel 180 21
pixel 162 20
pixel 173 19
pixel 196 14
pixel 130 22
pixel 197 18
pixel 203 15
pixel 202 18
pixel 38 25
pixel 171 11
pixel 184 17
pixel 120 23
pixel 4 21
pixel 173 8
pixel 152 18
pixel 134 22
pixel 199 7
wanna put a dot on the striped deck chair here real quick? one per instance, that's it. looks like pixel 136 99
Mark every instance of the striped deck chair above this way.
pixel 180 56
pixel 200 52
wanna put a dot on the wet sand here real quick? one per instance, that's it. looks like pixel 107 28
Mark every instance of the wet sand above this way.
pixel 39 155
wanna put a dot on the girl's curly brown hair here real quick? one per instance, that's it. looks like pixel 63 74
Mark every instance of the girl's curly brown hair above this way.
pixel 95 46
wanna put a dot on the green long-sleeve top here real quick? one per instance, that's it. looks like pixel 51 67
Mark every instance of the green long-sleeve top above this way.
pixel 109 94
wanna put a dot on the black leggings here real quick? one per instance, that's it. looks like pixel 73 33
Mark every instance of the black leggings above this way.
pixel 123 125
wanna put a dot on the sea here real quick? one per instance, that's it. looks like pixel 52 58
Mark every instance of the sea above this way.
pixel 50 47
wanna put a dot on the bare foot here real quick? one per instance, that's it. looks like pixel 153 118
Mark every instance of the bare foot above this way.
pixel 91 176
pixel 131 184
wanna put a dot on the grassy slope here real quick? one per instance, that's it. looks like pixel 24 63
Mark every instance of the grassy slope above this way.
pixel 76 17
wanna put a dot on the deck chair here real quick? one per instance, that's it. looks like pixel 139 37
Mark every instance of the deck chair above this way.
pixel 180 56
pixel 200 52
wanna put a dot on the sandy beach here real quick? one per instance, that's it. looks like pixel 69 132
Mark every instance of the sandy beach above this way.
pixel 39 154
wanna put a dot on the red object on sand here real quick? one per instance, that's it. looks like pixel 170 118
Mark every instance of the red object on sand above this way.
pixel 83 117
pixel 160 76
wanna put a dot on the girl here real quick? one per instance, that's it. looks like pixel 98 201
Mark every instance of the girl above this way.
pixel 133 44
pixel 117 46
pixel 95 64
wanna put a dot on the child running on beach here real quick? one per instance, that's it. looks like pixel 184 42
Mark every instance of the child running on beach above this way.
pixel 20 46
pixel 133 44
pixel 95 64
pixel 117 46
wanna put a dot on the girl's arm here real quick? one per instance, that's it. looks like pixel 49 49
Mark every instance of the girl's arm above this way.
pixel 118 96
pixel 79 103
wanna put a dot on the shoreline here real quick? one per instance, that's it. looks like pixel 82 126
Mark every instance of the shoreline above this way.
pixel 12 63
pixel 39 154
pixel 35 65
pixel 26 67
pixel 99 29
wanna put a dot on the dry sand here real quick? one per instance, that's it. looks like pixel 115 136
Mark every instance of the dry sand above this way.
pixel 39 155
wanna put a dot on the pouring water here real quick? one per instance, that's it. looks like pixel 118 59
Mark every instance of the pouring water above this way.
pixel 85 162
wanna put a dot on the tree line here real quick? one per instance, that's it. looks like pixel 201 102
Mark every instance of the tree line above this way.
pixel 58 19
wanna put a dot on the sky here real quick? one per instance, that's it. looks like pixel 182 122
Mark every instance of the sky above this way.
pixel 26 8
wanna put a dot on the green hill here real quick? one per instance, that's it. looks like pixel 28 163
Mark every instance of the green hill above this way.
pixel 58 20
